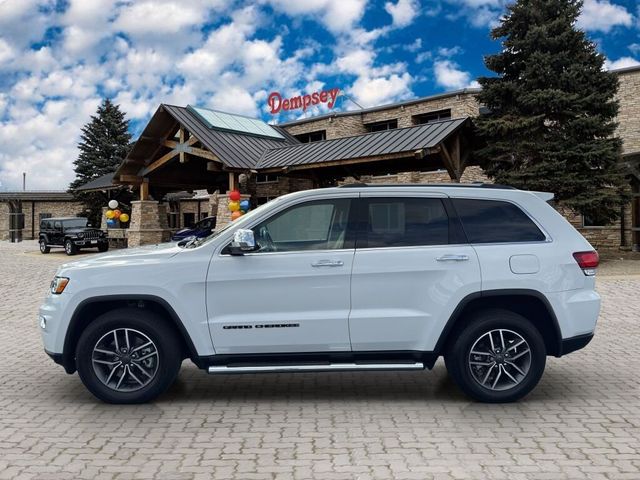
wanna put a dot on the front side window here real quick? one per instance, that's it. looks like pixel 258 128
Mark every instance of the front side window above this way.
pixel 317 225
pixel 495 221
pixel 404 222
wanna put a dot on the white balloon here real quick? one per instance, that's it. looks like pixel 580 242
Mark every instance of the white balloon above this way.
pixel 113 204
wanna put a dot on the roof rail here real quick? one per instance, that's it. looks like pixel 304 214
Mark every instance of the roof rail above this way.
pixel 447 185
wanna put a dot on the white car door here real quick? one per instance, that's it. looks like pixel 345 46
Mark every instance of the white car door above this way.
pixel 293 294
pixel 410 271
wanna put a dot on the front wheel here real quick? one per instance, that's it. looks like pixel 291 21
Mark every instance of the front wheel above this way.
pixel 70 247
pixel 44 248
pixel 128 356
pixel 498 357
pixel 103 247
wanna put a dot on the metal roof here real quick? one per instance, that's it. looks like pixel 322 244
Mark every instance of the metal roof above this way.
pixel 235 150
pixel 37 195
pixel 464 91
pixel 368 145
pixel 103 182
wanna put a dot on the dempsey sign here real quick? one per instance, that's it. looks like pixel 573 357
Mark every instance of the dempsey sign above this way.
pixel 277 103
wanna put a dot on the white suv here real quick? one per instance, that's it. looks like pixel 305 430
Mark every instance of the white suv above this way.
pixel 353 278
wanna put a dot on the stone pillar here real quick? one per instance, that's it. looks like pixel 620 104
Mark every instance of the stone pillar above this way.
pixel 4 220
pixel 148 223
pixel 223 215
pixel 103 219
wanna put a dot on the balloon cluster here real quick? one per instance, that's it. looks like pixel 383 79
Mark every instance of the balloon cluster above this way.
pixel 236 206
pixel 114 215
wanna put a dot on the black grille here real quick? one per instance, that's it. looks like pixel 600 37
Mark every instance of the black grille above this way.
pixel 92 235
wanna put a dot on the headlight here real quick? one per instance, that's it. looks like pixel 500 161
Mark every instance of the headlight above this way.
pixel 58 285
pixel 81 235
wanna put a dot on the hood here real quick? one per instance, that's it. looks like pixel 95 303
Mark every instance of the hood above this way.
pixel 128 256
pixel 82 229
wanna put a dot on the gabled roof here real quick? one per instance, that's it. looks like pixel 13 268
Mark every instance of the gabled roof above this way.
pixel 387 142
pixel 103 182
pixel 37 195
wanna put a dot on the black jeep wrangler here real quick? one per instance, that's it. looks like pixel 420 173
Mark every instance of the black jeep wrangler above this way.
pixel 71 233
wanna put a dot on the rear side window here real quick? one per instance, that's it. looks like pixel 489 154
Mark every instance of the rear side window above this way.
pixel 494 221
pixel 404 222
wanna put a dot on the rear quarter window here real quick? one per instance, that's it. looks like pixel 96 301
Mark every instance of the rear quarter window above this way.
pixel 495 221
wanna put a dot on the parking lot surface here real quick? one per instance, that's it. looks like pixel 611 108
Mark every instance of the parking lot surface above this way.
pixel 582 421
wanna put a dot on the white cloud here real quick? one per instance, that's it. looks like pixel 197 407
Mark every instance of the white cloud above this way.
pixel 369 92
pixel 623 62
pixel 479 13
pixel 449 75
pixel 6 52
pixel 602 16
pixel 403 12
pixel 634 48
pixel 336 15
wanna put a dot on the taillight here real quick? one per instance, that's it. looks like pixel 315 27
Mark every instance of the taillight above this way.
pixel 588 261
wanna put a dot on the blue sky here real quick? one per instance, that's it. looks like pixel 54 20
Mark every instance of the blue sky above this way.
pixel 59 58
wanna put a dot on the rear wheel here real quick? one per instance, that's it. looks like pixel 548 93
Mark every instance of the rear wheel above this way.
pixel 128 356
pixel 70 248
pixel 43 246
pixel 498 357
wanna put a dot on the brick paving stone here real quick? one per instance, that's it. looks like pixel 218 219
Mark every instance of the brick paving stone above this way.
pixel 582 421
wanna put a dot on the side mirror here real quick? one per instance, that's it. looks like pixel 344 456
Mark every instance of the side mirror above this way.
pixel 243 241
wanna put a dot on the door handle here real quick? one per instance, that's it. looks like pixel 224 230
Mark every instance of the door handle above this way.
pixel 452 258
pixel 328 263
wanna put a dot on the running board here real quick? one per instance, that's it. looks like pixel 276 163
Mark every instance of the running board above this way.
pixel 329 367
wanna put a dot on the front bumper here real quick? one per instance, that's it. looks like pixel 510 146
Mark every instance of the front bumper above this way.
pixel 66 361
pixel 90 242
pixel 575 343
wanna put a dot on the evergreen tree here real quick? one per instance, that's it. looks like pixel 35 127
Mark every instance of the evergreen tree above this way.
pixel 105 141
pixel 551 120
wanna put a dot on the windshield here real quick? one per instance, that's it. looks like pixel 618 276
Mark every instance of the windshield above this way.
pixel 246 218
pixel 75 223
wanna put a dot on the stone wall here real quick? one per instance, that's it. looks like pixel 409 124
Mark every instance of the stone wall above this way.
pixel 461 105
pixel 4 221
pixel 53 208
pixel 148 223
pixel 470 175
pixel 605 238
pixel 629 115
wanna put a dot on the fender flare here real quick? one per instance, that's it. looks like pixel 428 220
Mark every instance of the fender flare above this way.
pixel 510 292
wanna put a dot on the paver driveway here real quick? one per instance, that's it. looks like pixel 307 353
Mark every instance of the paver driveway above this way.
pixel 581 422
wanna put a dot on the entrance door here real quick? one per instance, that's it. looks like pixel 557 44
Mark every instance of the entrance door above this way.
pixel 410 272
pixel 293 294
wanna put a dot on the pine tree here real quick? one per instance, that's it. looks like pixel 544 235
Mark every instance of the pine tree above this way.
pixel 105 142
pixel 551 121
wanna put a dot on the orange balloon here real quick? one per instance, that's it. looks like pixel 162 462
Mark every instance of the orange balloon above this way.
pixel 236 215
pixel 116 214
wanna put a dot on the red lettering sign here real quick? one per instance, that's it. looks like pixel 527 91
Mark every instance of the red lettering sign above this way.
pixel 277 103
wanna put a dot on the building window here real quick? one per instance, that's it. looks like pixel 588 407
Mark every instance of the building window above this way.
pixel 316 136
pixel 263 200
pixel 381 126
pixel 267 178
pixel 593 221
pixel 188 219
pixel 431 116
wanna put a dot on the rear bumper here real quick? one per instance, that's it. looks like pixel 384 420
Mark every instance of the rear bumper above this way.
pixel 575 343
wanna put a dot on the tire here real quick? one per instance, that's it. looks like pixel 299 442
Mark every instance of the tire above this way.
pixel 141 326
pixel 507 383
pixel 43 246
pixel 103 247
pixel 70 248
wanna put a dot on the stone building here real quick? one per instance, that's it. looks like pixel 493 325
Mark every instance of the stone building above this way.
pixel 21 212
pixel 430 139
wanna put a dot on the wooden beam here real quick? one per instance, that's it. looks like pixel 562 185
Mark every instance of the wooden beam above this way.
pixel 135 179
pixel 174 144
pixel 200 152
pixel 232 181
pixel 144 189
pixel 449 163
pixel 167 157
pixel 182 136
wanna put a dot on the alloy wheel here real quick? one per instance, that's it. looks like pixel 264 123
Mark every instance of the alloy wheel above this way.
pixel 500 359
pixel 125 360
